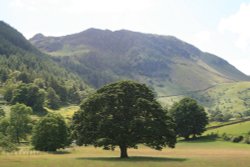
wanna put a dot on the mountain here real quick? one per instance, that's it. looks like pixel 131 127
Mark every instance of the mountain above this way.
pixel 169 65
pixel 24 66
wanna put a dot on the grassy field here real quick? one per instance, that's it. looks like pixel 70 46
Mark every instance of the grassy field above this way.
pixel 66 112
pixel 236 129
pixel 186 154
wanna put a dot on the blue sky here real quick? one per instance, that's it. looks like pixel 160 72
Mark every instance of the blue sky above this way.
pixel 221 27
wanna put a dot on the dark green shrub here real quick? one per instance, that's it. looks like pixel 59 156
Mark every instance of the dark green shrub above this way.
pixel 247 139
pixel 237 139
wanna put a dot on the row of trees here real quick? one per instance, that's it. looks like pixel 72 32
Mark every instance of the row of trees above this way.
pixel 122 114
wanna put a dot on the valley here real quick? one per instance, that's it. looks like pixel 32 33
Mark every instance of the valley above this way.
pixel 54 77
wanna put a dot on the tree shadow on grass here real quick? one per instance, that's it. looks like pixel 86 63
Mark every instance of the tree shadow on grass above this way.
pixel 59 152
pixel 136 159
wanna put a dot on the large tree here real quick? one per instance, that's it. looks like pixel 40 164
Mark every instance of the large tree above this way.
pixel 19 125
pixel 190 118
pixel 50 133
pixel 123 114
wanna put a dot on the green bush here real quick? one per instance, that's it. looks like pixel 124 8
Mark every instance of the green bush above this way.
pixel 237 139
pixel 247 139
pixel 248 133
pixel 226 137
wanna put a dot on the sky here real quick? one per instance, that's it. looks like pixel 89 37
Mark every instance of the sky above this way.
pixel 221 27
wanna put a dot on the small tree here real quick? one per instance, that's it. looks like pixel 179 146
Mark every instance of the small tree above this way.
pixel 4 125
pixel 50 133
pixel 6 144
pixel 123 114
pixel 190 118
pixel 19 125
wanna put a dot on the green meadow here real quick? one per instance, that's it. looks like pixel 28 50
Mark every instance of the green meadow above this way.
pixel 201 153
pixel 235 129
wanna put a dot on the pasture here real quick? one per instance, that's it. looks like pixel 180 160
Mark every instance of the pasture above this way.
pixel 200 153
pixel 242 128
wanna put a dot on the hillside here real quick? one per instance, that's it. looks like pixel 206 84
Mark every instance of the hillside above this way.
pixel 228 97
pixel 24 68
pixel 166 63
pixel 235 129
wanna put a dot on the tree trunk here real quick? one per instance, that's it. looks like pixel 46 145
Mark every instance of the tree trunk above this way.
pixel 124 153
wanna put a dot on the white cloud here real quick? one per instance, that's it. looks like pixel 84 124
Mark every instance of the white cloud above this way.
pixel 238 24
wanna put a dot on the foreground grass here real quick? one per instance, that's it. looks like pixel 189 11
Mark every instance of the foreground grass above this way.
pixel 205 153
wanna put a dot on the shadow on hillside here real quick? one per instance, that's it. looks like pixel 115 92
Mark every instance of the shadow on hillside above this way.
pixel 136 159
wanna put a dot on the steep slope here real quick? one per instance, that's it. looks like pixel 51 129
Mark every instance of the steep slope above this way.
pixel 22 63
pixel 166 63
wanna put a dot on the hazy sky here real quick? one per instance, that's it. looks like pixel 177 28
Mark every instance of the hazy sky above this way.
pixel 221 27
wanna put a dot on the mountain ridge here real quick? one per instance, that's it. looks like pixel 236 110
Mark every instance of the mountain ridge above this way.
pixel 166 63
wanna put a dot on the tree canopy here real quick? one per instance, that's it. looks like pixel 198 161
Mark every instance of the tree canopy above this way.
pixel 50 133
pixel 6 144
pixel 123 114
pixel 190 118
pixel 26 73
pixel 19 124
pixel 30 95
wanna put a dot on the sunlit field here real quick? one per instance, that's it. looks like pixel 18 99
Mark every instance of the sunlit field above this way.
pixel 235 129
pixel 187 154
